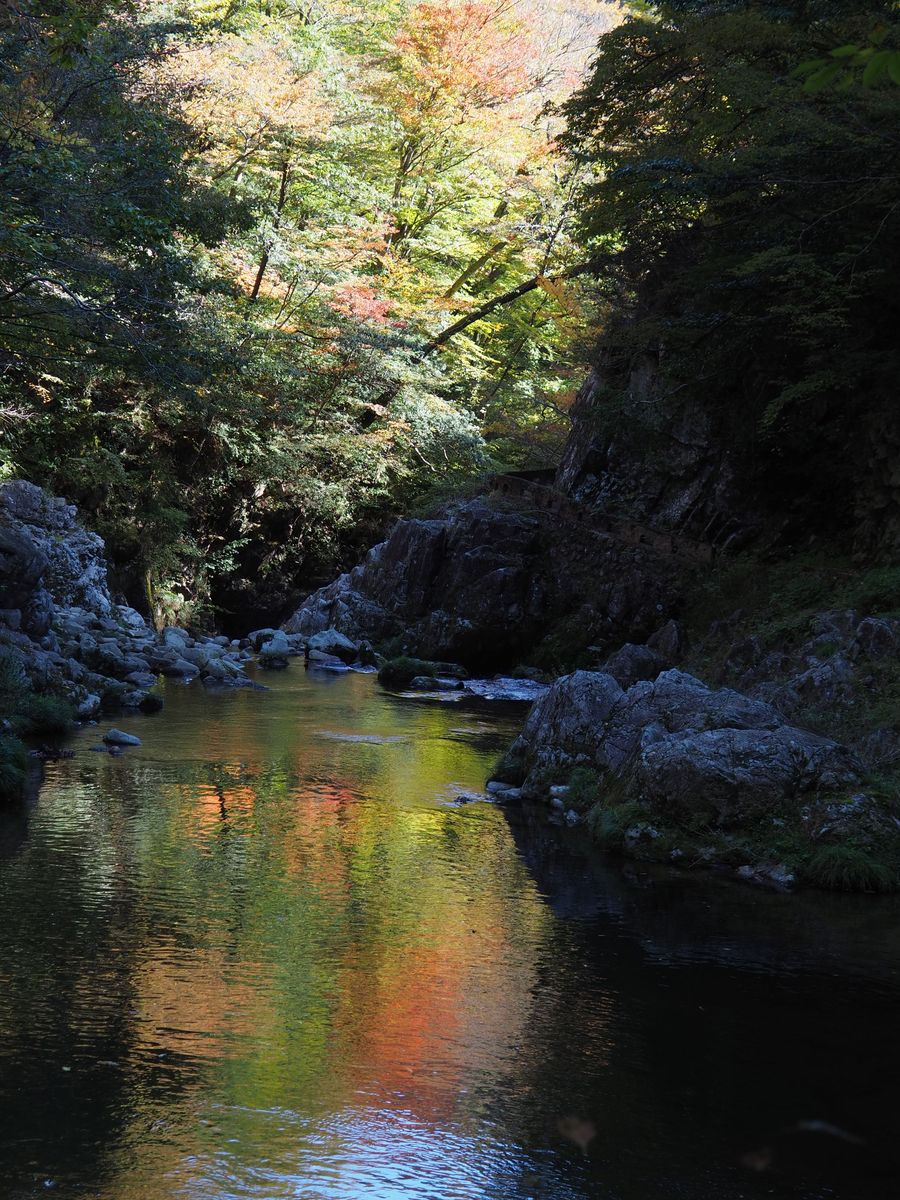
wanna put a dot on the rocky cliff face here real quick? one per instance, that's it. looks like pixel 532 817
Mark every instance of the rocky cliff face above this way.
pixel 679 477
pixel 488 583
pixel 47 560
pixel 61 631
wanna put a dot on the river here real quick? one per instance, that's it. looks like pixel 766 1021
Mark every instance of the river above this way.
pixel 265 955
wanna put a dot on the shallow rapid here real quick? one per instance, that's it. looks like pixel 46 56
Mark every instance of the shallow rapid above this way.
pixel 267 955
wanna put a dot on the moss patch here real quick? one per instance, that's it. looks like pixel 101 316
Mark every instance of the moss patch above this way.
pixel 398 672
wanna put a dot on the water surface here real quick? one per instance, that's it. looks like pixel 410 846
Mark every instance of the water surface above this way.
pixel 265 955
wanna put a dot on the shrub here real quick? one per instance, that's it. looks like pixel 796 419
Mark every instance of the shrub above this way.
pixel 13 767
pixel 46 714
pixel 609 822
pixel 849 869
pixel 584 787
pixel 398 672
pixel 510 768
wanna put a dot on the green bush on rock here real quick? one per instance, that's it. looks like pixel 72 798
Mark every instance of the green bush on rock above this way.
pixel 398 672
pixel 13 767
pixel 24 714
pixel 847 868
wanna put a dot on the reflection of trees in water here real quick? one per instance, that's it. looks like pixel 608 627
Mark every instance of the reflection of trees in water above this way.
pixel 67 1029
pixel 262 933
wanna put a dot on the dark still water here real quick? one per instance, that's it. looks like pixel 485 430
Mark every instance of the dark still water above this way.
pixel 265 956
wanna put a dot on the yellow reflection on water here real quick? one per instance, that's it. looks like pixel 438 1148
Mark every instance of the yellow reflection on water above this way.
pixel 314 945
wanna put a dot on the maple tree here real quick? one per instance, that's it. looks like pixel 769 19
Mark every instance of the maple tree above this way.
pixel 253 222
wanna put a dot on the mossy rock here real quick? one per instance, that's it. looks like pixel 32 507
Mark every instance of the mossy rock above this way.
pixel 509 768
pixel 400 672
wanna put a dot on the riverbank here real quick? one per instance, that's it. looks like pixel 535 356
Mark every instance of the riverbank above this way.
pixel 764 741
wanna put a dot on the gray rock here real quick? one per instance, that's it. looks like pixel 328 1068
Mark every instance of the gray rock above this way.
pixel 876 639
pixel 141 679
pixel 505 688
pixel 669 642
pixel 258 636
pixel 276 646
pixel 433 683
pixel 88 707
pixel 159 660
pixel 202 656
pixel 503 793
pixel 840 624
pixel 482 585
pixel 74 572
pixel 679 746
pixel 330 641
pixel 565 726
pixel 178 667
pixel 23 563
pixel 116 737
pixel 318 658
pixel 632 663
pixel 174 638
pixel 827 685
pixel 738 775
pixel 11 618
pixel 861 817
pixel 131 619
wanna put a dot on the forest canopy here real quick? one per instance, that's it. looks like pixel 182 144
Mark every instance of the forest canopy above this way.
pixel 229 231
pixel 745 161
pixel 271 272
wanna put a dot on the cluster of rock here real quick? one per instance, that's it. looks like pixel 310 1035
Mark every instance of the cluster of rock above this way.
pixel 484 584
pixel 839 664
pixel 678 745
pixel 686 757
pixel 61 628
pixel 328 650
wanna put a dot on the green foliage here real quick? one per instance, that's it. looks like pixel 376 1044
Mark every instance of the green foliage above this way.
pixel 584 785
pixel 398 672
pixel 27 713
pixel 756 238
pixel 228 233
pixel 45 714
pixel 846 868
pixel 872 64
pixel 775 600
pixel 23 714
pixel 609 821
pixel 509 768
pixel 13 768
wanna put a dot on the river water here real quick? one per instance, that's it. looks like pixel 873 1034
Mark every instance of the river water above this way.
pixel 265 955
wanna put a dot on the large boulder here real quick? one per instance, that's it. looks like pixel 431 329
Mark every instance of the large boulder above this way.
pixel 331 641
pixel 22 563
pixel 682 748
pixel 630 663
pixel 74 568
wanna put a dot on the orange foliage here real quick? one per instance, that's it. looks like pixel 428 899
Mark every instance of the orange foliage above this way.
pixel 239 95
pixel 361 301
pixel 471 52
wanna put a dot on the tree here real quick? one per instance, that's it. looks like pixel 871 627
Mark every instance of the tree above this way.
pixel 758 225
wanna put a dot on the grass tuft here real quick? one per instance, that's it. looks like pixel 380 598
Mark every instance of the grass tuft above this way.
pixel 849 869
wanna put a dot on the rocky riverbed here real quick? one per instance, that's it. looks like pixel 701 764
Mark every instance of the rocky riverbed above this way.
pixel 655 761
